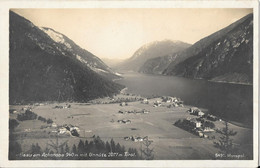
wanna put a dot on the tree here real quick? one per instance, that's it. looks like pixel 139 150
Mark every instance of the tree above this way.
pixel 74 149
pixel 62 149
pixel 13 123
pixel 108 148
pixel 35 149
pixel 148 153
pixel 46 150
pixel 56 145
pixel 81 147
pixel 209 124
pixel 100 145
pixel 14 150
pixel 67 149
pixel 113 145
pixel 74 132
pixel 49 121
pixel 118 148
pixel 225 143
pixel 86 147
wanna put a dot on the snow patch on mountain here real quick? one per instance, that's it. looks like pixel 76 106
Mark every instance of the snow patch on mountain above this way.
pixel 58 38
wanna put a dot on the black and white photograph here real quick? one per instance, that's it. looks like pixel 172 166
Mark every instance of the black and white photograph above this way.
pixel 132 83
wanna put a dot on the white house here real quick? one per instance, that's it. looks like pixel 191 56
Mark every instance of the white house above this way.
pixel 198 124
pixel 54 125
pixel 62 130
pixel 200 113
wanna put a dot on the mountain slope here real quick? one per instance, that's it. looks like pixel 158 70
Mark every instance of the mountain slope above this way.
pixel 45 67
pixel 228 58
pixel 82 55
pixel 151 50
pixel 157 65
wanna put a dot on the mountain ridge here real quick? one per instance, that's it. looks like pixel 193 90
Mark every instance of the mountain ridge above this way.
pixel 151 50
pixel 173 64
pixel 231 53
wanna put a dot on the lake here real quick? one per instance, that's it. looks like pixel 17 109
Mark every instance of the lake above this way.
pixel 230 101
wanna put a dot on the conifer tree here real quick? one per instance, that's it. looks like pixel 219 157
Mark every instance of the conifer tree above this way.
pixel 67 149
pixel 225 143
pixel 148 153
pixel 74 149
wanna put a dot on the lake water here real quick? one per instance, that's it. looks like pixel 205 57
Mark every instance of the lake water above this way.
pixel 232 101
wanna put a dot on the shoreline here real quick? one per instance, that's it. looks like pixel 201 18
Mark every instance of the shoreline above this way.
pixel 210 80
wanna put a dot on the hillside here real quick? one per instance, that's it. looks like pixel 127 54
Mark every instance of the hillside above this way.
pixel 84 56
pixel 225 56
pixel 47 66
pixel 151 50
pixel 157 65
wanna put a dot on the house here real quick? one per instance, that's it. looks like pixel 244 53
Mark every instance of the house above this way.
pixel 157 104
pixel 54 125
pixel 74 128
pixel 145 111
pixel 174 104
pixel 144 101
pixel 196 111
pixel 139 139
pixel 208 129
pixel 145 138
pixel 195 122
pixel 63 130
pixel 121 112
pixel 127 138
pixel 193 110
pixel 123 104
pixel 169 99
pixel 126 121
pixel 27 130
pixel 212 117
pixel 200 134
pixel 200 113
pixel 12 111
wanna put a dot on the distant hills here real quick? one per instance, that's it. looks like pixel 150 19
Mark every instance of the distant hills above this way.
pixel 224 56
pixel 47 66
pixel 149 51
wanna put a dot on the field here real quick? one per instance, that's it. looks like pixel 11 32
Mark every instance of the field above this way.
pixel 169 141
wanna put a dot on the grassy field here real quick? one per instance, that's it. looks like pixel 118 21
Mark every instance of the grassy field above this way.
pixel 169 141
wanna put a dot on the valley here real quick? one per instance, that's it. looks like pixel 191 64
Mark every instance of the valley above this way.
pixel 100 117
pixel 169 141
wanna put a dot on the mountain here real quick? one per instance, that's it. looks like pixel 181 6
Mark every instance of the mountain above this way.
pixel 151 50
pixel 84 56
pixel 225 56
pixel 157 65
pixel 45 65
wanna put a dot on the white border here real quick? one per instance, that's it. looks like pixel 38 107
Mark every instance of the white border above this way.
pixel 4 78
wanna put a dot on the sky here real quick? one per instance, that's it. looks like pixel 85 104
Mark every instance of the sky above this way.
pixel 118 33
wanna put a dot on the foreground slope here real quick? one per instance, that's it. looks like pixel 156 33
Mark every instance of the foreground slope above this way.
pixel 47 66
pixel 225 56
pixel 151 50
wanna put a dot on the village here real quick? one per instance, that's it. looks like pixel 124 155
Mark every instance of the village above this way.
pixel 127 118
